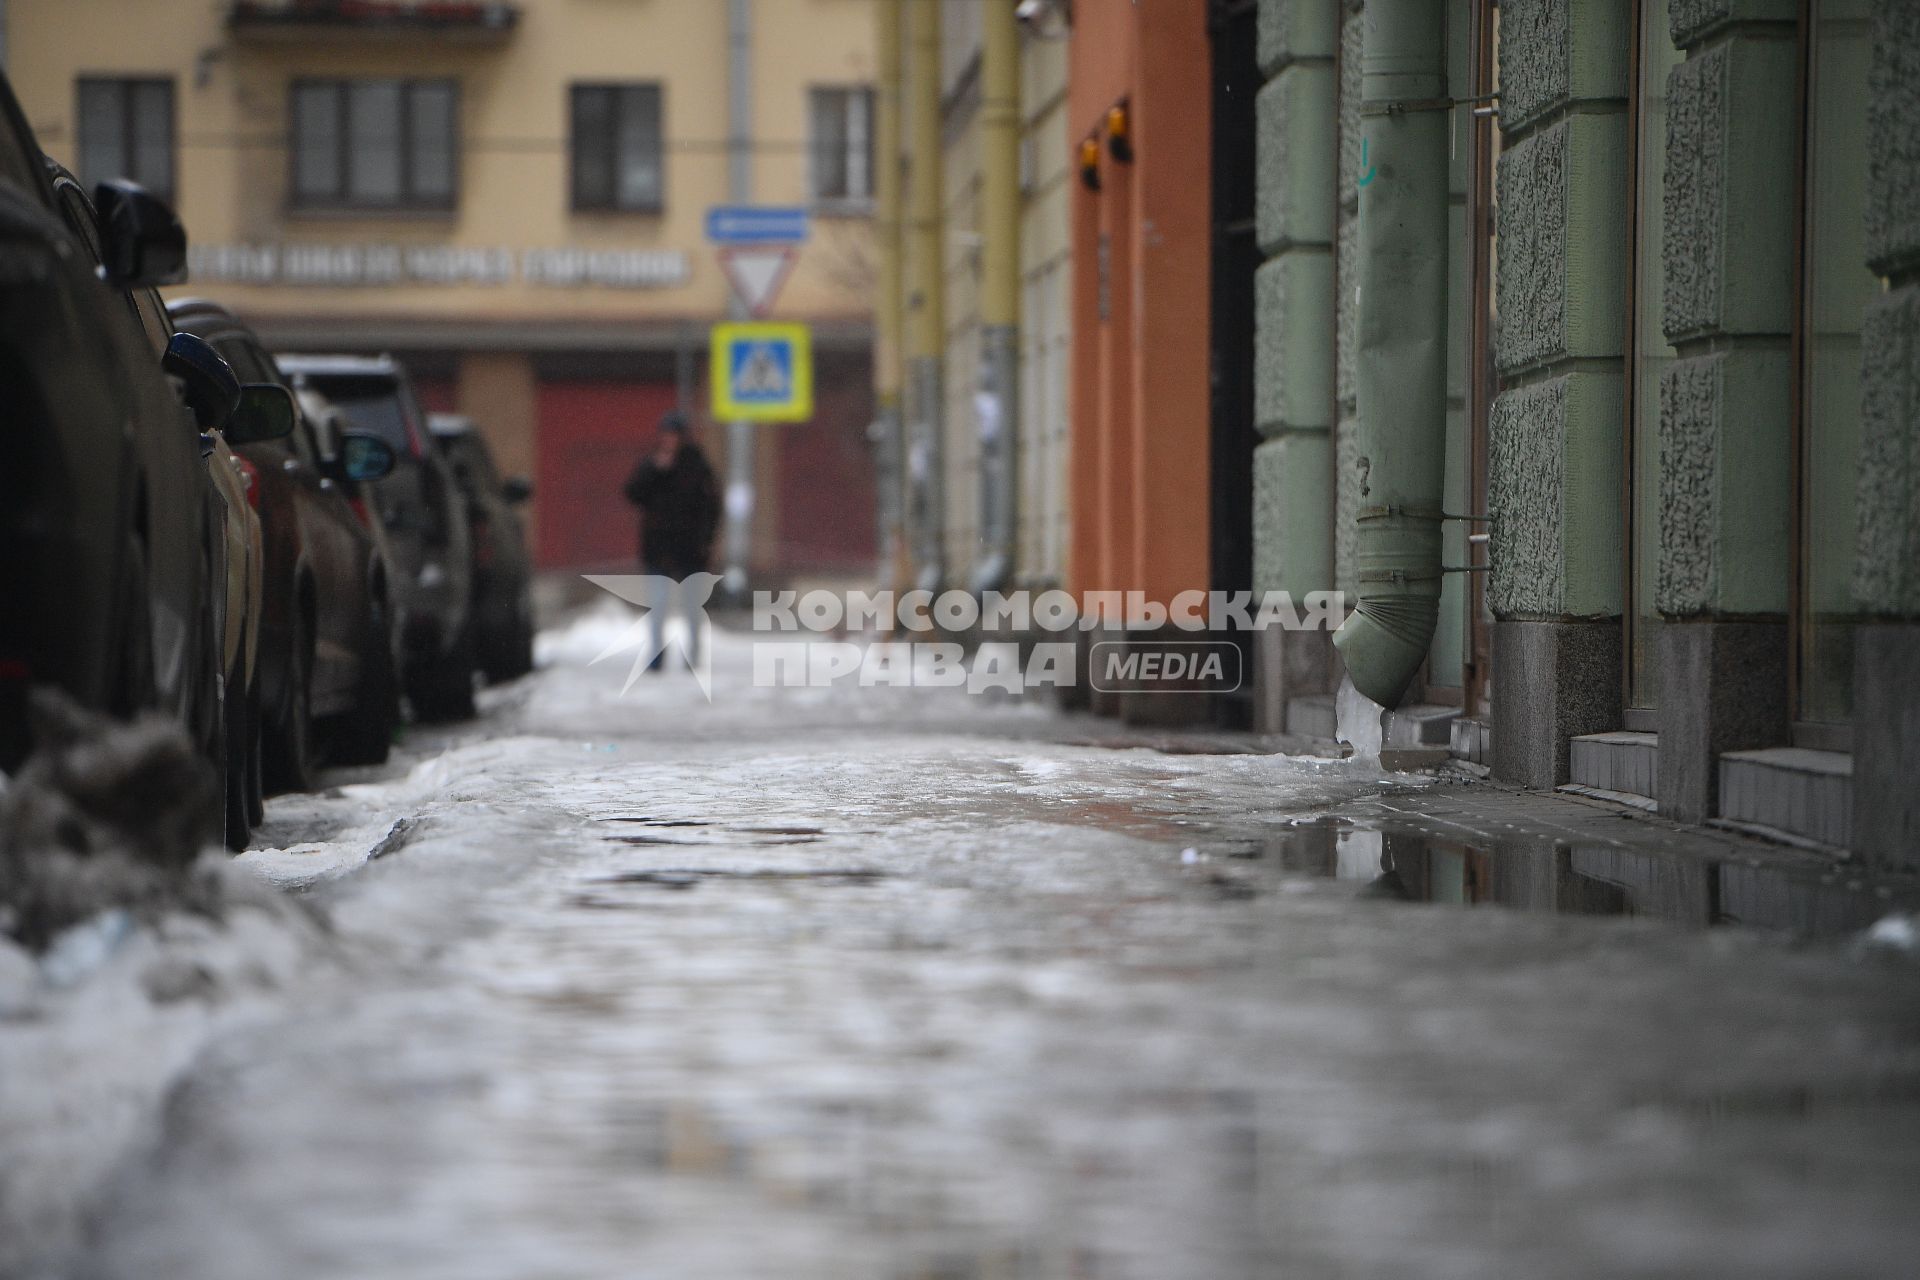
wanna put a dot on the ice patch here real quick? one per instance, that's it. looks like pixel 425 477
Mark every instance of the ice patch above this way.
pixel 78 951
pixel 97 1034
pixel 1358 722
pixel 590 633
pixel 1896 934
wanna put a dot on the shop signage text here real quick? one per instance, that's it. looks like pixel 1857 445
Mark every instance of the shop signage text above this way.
pixel 360 265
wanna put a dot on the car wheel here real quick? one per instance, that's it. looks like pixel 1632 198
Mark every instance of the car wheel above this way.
pixel 290 755
pixel 510 652
pixel 444 689
pixel 523 642
pixel 365 734
pixel 133 689
pixel 208 723
pixel 238 764
pixel 256 790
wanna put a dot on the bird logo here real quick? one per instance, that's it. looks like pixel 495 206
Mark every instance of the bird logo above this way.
pixel 653 593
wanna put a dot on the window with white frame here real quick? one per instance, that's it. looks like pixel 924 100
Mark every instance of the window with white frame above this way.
pixel 126 131
pixel 841 120
pixel 375 143
pixel 618 148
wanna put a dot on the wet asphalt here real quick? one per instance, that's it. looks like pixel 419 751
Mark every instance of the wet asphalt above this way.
pixel 907 983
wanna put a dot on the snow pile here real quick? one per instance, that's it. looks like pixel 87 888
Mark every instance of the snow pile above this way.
pixel 121 948
pixel 102 816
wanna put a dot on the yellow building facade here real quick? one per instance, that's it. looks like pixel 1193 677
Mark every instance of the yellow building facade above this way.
pixel 975 514
pixel 511 197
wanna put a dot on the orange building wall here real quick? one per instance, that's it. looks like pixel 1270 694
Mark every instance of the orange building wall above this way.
pixel 1140 370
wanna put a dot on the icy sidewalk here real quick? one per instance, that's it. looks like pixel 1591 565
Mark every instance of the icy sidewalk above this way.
pixel 884 983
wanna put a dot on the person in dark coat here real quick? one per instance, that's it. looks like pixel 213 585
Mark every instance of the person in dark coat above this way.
pixel 679 503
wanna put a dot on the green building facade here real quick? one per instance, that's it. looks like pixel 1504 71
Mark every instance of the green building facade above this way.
pixel 1679 548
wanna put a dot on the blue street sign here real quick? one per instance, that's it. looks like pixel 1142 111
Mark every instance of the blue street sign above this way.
pixel 756 224
pixel 762 372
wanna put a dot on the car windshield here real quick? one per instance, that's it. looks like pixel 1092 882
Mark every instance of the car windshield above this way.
pixel 372 404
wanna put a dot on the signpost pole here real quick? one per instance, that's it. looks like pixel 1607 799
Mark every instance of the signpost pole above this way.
pixel 740 435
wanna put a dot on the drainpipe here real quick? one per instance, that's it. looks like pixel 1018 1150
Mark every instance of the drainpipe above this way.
pixel 1401 375
pixel 887 320
pixel 926 304
pixel 740 436
pixel 999 400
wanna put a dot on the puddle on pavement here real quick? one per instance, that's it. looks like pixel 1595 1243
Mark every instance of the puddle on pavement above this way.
pixel 662 822
pixel 721 833
pixel 1174 745
pixel 724 826
pixel 724 839
pixel 1571 877
pixel 689 877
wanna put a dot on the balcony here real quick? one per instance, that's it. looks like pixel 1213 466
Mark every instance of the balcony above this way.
pixel 462 21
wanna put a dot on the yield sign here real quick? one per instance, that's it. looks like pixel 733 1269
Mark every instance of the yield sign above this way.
pixel 756 273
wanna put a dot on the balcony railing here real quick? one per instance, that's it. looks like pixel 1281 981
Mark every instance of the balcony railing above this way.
pixel 464 20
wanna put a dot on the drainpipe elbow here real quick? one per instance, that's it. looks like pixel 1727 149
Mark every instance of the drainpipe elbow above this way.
pixel 1387 637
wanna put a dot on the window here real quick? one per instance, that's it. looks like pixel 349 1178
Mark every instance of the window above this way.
pixel 375 144
pixel 842 145
pixel 617 152
pixel 126 131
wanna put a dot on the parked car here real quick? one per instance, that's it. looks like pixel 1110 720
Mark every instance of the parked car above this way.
pixel 425 518
pixel 113 544
pixel 342 452
pixel 331 431
pixel 328 683
pixel 502 570
pixel 227 412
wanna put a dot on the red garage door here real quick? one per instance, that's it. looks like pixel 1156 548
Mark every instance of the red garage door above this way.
pixel 826 483
pixel 591 434
pixel 437 395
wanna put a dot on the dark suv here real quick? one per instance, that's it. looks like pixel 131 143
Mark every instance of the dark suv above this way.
pixel 328 684
pixel 502 570
pixel 425 518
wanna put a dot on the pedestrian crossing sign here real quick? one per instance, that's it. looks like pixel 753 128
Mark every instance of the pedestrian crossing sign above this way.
pixel 762 372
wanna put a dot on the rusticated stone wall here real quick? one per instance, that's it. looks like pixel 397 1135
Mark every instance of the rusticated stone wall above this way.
pixel 1347 301
pixel 1293 296
pixel 1712 493
pixel 1727 307
pixel 1561 197
pixel 1887 570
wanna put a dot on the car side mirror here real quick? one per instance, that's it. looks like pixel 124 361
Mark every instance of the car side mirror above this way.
pixel 141 240
pixel 207 381
pixel 365 457
pixel 516 489
pixel 266 412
